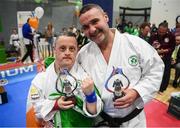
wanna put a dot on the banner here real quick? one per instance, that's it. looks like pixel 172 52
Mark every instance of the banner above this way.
pixel 17 74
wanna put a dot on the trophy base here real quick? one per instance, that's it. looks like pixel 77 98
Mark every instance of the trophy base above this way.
pixel 71 98
pixel 116 97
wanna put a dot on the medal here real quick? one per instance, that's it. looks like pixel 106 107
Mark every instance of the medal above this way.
pixel 166 40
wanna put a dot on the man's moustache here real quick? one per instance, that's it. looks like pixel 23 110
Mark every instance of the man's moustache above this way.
pixel 66 57
pixel 96 32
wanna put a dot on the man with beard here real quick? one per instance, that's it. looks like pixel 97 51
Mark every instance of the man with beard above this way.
pixel 111 55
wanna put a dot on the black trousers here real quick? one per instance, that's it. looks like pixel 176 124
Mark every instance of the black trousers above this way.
pixel 167 71
pixel 29 52
pixel 177 72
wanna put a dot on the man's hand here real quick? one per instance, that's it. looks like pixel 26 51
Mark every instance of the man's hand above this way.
pixel 63 104
pixel 87 86
pixel 130 96
pixel 161 51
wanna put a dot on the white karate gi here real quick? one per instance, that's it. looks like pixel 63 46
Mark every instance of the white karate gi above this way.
pixel 43 85
pixel 14 40
pixel 144 74
pixel 36 48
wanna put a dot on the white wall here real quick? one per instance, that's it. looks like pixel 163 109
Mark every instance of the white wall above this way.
pixel 165 10
pixel 131 4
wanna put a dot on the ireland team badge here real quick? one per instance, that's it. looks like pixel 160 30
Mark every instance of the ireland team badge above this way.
pixel 133 60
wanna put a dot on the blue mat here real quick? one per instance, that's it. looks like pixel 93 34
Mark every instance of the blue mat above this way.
pixel 13 113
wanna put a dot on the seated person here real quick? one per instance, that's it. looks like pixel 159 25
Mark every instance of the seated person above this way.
pixel 176 59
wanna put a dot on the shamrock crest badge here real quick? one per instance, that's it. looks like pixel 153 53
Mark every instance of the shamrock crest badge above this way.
pixel 133 60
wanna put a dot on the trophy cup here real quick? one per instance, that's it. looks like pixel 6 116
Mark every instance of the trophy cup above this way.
pixel 67 88
pixel 118 92
pixel 120 83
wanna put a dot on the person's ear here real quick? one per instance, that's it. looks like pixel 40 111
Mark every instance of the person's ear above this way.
pixel 106 17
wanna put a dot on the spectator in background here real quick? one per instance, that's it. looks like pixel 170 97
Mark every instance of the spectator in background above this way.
pixel 119 24
pixel 153 29
pixel 144 32
pixel 176 59
pixel 15 42
pixel 164 42
pixel 49 36
pixel 136 30
pixel 81 39
pixel 71 29
pixel 74 29
pixel 176 27
pixel 129 28
pixel 63 31
pixel 28 41
pixel 36 46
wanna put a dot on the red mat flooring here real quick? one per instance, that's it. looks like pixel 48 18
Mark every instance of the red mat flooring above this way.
pixel 10 65
pixel 157 116
pixel 40 66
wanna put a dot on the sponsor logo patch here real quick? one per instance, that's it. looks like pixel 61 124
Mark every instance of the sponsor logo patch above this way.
pixel 133 60
pixel 34 93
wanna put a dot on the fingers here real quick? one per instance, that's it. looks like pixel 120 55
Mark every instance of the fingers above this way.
pixel 123 102
pixel 64 104
pixel 87 82
pixel 122 106
pixel 87 86
pixel 130 96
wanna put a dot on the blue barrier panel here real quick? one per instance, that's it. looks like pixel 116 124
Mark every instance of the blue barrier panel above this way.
pixel 18 74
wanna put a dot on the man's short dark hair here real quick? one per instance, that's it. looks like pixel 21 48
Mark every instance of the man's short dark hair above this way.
pixel 69 34
pixel 88 7
pixel 143 25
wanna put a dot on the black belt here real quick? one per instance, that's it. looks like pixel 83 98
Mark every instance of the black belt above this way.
pixel 116 122
pixel 15 40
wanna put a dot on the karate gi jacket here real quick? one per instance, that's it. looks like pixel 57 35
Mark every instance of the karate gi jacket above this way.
pixel 43 85
pixel 139 62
